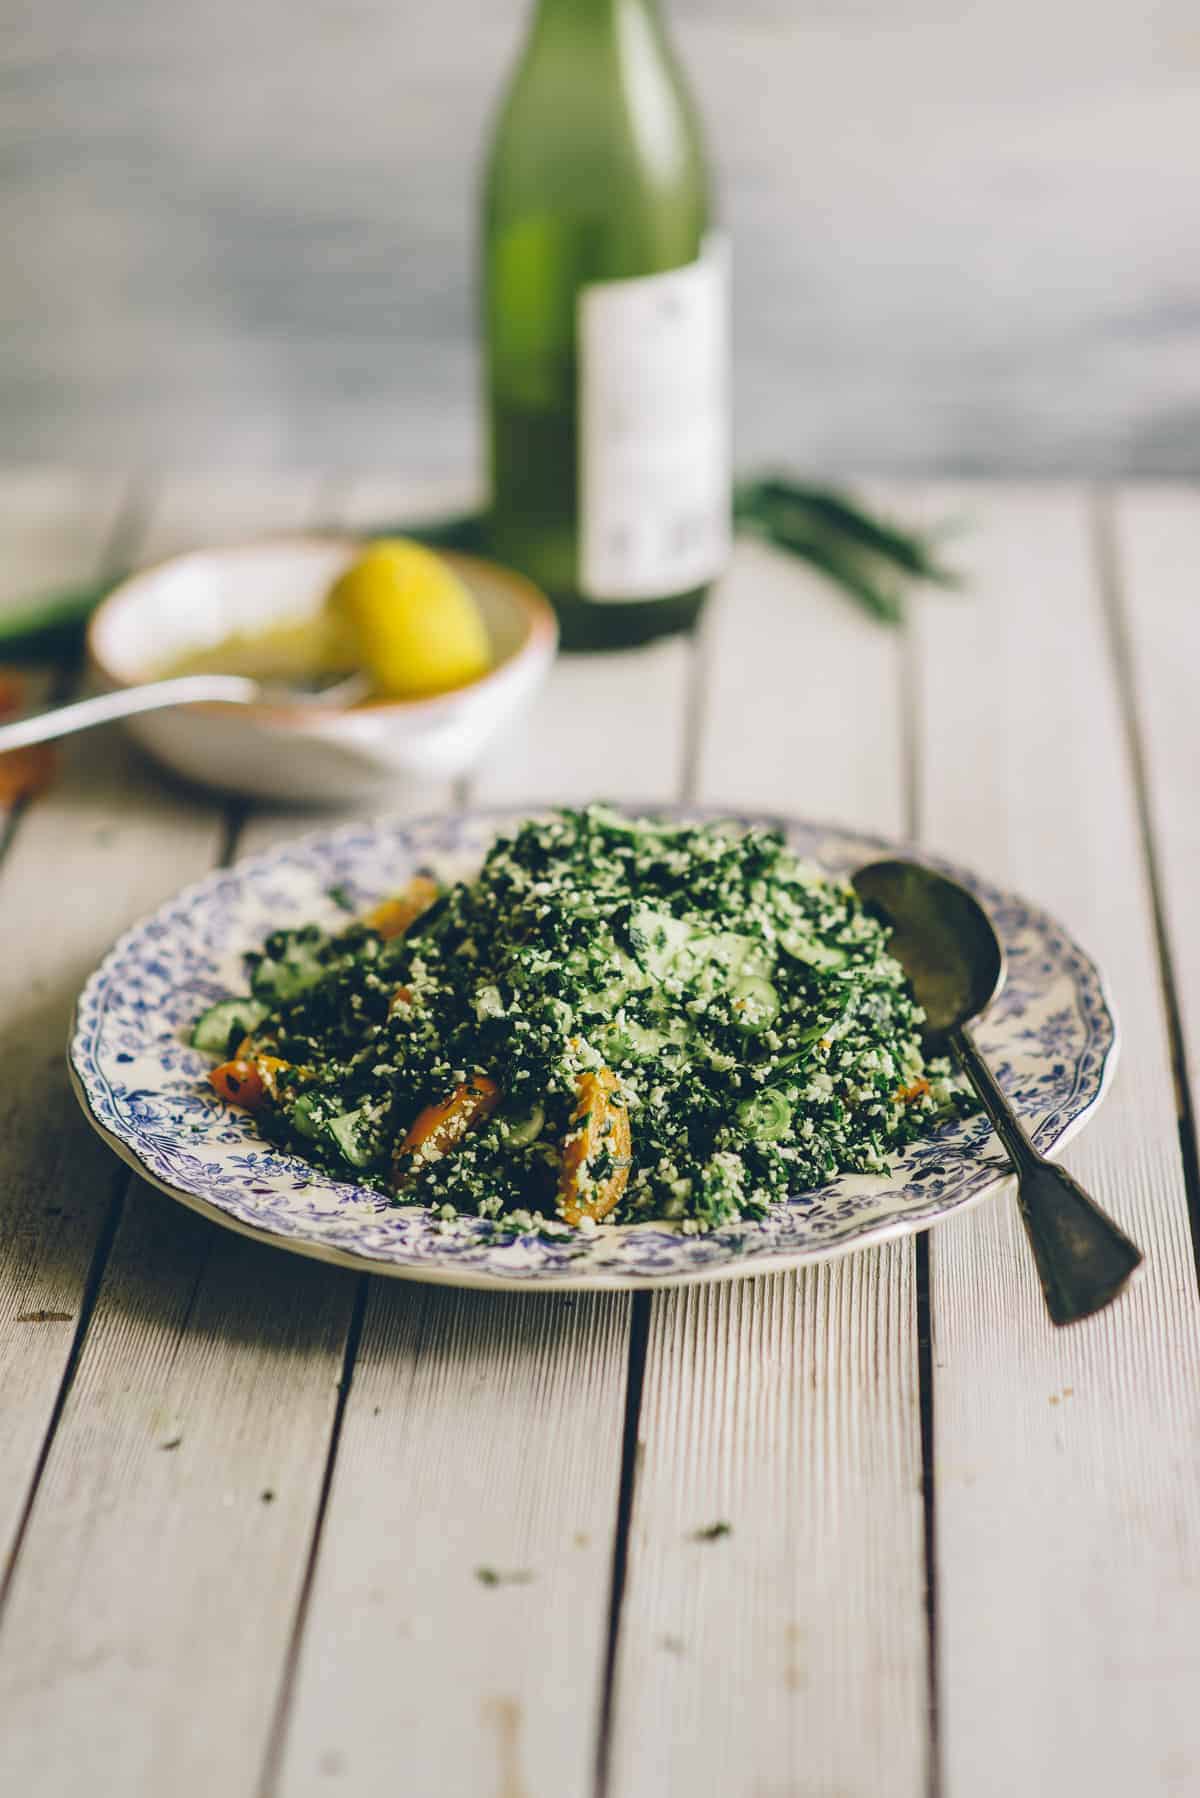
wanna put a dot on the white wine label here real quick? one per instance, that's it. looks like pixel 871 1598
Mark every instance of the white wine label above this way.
pixel 654 427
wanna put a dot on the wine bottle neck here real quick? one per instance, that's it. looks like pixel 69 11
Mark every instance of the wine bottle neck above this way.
pixel 561 16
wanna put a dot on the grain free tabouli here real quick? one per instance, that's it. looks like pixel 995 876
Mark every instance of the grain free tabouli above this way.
pixel 615 1019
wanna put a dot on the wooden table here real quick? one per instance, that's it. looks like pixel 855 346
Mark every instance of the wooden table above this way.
pixel 244 1498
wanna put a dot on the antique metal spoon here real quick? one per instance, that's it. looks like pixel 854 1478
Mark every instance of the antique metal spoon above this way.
pixel 945 942
pixel 338 690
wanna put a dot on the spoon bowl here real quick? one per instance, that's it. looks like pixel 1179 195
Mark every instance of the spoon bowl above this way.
pixel 942 938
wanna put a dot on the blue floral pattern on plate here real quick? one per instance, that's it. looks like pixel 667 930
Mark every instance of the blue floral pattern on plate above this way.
pixel 1051 1037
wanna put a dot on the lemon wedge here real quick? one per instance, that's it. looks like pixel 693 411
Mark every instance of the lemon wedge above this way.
pixel 413 625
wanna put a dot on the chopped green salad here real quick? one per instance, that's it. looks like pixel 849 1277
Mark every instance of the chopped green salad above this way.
pixel 615 1019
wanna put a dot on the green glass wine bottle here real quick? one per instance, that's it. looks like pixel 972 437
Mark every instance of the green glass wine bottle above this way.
pixel 605 315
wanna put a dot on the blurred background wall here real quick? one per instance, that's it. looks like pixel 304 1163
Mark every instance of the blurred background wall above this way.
pixel 242 230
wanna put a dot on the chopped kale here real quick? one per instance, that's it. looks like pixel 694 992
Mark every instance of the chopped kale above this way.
pixel 740 1006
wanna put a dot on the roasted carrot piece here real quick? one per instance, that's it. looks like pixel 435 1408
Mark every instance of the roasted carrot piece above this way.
pixel 248 1081
pixel 12 692
pixel 917 1090
pixel 24 772
pixel 394 916
pixel 440 1128
pixel 403 995
pixel 599 1121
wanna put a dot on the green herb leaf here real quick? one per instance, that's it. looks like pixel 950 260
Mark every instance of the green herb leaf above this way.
pixel 782 507
pixel 712 1532
pixel 492 1576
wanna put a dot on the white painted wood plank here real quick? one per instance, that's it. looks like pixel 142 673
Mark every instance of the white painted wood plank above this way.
pixel 790 1655
pixel 55 527
pixel 484 1432
pixel 199 511
pixel 152 1604
pixel 385 502
pixel 74 876
pixel 482 1438
pixel 604 727
pixel 234 1349
pixel 1157 570
pixel 804 701
pixel 1068 1506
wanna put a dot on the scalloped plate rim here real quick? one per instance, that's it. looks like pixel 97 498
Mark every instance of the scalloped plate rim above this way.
pixel 871 1232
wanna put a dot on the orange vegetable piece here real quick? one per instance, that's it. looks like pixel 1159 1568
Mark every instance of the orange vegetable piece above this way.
pixel 917 1090
pixel 599 1121
pixel 24 772
pixel 248 1081
pixel 394 916
pixel 403 995
pixel 440 1128
pixel 12 692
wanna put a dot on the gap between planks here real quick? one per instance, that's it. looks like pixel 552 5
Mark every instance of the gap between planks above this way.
pixel 1116 601
pixel 568 749
pixel 1066 1512
pixel 78 1385
pixel 65 530
pixel 727 1403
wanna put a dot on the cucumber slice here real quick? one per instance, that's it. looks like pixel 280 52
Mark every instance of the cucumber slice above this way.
pixel 673 947
pixel 644 1040
pixel 524 1130
pixel 349 1133
pixel 756 1003
pixel 766 1116
pixel 727 950
pixel 224 1025
pixel 302 1119
pixel 755 959
pixel 827 958
pixel 658 938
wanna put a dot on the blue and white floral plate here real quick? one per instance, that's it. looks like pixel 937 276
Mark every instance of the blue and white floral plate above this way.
pixel 1051 1037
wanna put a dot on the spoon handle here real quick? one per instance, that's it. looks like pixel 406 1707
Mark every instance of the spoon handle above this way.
pixel 1083 1259
pixel 154 696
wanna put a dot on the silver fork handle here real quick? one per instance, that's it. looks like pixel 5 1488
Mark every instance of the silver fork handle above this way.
pixel 190 689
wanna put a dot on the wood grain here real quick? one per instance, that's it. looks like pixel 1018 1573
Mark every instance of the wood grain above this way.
pixel 1068 1515
pixel 73 877
pixel 484 1433
pixel 457 1629
pixel 604 727
pixel 156 1584
pixel 198 511
pixel 789 1656
pixel 159 1588
pixel 1154 547
pixel 803 699
pixel 57 526
pixel 152 1603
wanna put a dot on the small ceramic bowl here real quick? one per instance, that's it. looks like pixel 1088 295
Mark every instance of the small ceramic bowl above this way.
pixel 300 750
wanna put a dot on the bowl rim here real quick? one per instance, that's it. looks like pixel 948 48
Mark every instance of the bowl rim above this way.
pixel 540 636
